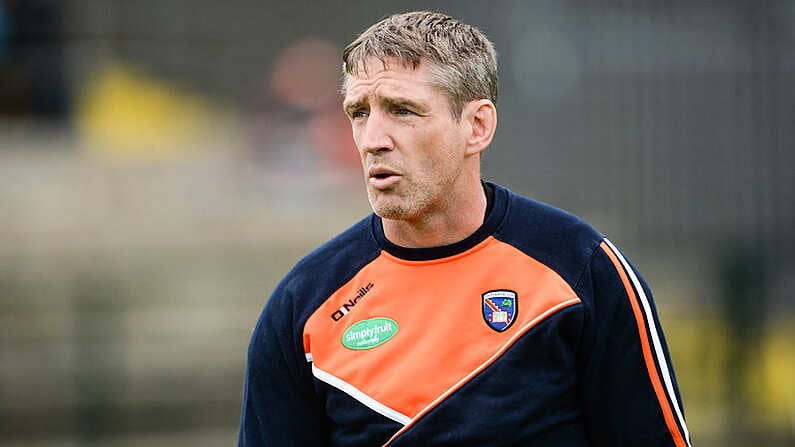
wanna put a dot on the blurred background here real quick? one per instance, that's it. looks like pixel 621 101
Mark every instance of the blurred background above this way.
pixel 163 163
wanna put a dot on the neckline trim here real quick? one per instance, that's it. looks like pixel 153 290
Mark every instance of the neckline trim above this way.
pixel 490 224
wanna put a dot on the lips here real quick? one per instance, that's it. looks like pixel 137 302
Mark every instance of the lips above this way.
pixel 382 177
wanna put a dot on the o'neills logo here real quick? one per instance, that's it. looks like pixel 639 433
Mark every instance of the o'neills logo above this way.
pixel 347 306
pixel 367 334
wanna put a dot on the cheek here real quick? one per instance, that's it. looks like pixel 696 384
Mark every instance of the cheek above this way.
pixel 436 163
pixel 444 150
pixel 356 141
pixel 355 135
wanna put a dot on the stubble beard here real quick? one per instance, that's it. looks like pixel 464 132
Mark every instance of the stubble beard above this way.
pixel 397 206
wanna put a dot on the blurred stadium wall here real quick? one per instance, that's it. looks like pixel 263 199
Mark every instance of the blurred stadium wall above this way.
pixel 164 163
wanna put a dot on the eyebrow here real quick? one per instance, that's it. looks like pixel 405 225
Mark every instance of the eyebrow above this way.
pixel 353 106
pixel 404 102
pixel 396 101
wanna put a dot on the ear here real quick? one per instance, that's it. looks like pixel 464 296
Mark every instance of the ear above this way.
pixel 481 119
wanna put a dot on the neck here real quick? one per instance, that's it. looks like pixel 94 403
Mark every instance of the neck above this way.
pixel 458 220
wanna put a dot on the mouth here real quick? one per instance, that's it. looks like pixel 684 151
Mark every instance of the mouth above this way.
pixel 382 178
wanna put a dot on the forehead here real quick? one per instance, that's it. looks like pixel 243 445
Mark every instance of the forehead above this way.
pixel 385 78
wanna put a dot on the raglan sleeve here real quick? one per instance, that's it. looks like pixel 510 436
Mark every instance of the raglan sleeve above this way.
pixel 628 391
pixel 280 407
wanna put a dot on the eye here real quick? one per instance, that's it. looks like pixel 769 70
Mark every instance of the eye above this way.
pixel 358 114
pixel 402 111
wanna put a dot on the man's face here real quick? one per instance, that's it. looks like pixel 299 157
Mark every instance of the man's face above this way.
pixel 411 147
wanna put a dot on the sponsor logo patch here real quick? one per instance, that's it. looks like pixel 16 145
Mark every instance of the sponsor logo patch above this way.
pixel 368 334
pixel 500 308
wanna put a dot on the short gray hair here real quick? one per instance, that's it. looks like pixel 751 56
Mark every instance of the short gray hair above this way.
pixel 461 58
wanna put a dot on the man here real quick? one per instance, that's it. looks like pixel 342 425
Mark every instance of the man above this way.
pixel 459 313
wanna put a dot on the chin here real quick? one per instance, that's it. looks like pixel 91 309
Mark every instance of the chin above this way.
pixel 389 212
pixel 393 211
pixel 396 207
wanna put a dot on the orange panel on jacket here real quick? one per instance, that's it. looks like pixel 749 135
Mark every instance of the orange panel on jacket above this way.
pixel 441 334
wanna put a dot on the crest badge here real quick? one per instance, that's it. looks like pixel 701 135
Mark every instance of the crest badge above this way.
pixel 500 308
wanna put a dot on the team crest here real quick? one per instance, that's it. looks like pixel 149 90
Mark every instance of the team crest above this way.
pixel 500 308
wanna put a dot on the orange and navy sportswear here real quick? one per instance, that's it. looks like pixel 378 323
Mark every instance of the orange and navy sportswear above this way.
pixel 533 331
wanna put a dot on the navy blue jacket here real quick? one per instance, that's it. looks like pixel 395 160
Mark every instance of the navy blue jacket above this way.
pixel 533 331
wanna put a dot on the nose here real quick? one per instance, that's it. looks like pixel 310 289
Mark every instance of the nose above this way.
pixel 374 134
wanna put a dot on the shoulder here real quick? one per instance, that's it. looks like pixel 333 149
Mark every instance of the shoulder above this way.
pixel 562 241
pixel 315 277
